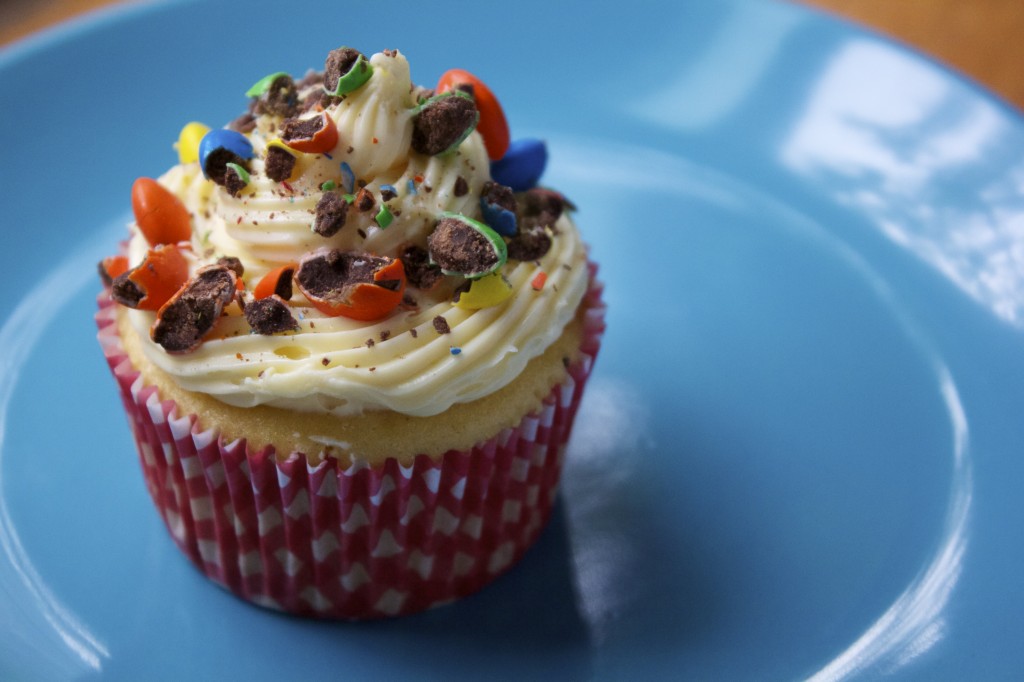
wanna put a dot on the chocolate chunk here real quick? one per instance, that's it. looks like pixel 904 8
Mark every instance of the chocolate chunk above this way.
pixel 419 271
pixel 330 214
pixel 388 52
pixel 541 207
pixel 443 123
pixel 338 63
pixel 281 98
pixel 529 244
pixel 270 315
pixel 279 164
pixel 329 274
pixel 441 325
pixel 246 123
pixel 233 182
pixel 301 128
pixel 232 264
pixel 125 291
pixel 461 188
pixel 364 200
pixel 460 248
pixel 184 320
pixel 217 165
pixel 497 194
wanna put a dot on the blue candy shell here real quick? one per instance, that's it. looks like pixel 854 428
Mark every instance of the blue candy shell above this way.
pixel 522 165
pixel 221 138
pixel 498 218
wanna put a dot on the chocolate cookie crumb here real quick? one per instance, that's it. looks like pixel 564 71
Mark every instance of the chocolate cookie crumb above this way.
pixel 443 123
pixel 461 188
pixel 387 194
pixel 232 264
pixel 441 325
pixel 529 244
pixel 281 98
pixel 246 123
pixel 279 163
pixel 283 288
pixel 301 128
pixel 270 315
pixel 414 333
pixel 385 335
pixel 125 291
pixel 540 207
pixel 184 320
pixel 233 182
pixel 330 214
pixel 419 271
pixel 459 248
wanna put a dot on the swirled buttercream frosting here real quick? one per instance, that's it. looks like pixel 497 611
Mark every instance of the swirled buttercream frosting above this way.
pixel 332 179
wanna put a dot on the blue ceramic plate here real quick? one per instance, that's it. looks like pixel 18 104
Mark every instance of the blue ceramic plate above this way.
pixel 802 453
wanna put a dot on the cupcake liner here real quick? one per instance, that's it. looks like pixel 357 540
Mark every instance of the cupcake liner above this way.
pixel 357 542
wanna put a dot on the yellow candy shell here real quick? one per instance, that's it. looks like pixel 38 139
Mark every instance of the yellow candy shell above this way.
pixel 484 292
pixel 188 142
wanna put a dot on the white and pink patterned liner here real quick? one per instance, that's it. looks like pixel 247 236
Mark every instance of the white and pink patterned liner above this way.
pixel 355 543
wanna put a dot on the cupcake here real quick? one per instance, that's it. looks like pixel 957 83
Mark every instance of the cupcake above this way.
pixel 351 333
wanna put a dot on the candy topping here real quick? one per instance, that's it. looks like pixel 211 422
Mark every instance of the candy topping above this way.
pixel 280 163
pixel 270 315
pixel 354 285
pixel 498 205
pixel 331 211
pixel 463 246
pixel 493 125
pixel 522 165
pixel 484 292
pixel 220 147
pixel 188 142
pixel 276 282
pixel 186 318
pixel 443 122
pixel 310 135
pixel 276 95
pixel 384 216
pixel 236 178
pixel 345 70
pixel 160 215
pixel 152 282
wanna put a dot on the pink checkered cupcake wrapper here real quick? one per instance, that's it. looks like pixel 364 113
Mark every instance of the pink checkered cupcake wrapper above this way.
pixel 352 542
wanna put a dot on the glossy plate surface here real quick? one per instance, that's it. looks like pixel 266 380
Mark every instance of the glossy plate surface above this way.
pixel 802 451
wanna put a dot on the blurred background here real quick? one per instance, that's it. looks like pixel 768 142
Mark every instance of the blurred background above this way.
pixel 979 38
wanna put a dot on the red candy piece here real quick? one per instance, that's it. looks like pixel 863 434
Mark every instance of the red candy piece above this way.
pixel 113 266
pixel 492 126
pixel 161 216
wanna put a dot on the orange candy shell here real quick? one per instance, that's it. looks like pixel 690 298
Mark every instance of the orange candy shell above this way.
pixel 268 283
pixel 493 125
pixel 160 215
pixel 160 275
pixel 367 302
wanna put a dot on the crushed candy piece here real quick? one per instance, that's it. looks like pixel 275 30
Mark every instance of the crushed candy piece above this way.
pixel 110 267
pixel 498 204
pixel 419 271
pixel 276 282
pixel 190 314
pixel 270 315
pixel 276 95
pixel 310 135
pixel 483 292
pixel 355 285
pixel 236 178
pixel 280 164
pixel 384 216
pixel 346 69
pixel 331 211
pixel 463 246
pixel 220 147
pixel 348 177
pixel 152 282
pixel 493 125
pixel 542 207
pixel 443 122
pixel 529 244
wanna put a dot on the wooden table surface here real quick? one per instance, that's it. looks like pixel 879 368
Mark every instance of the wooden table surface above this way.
pixel 980 38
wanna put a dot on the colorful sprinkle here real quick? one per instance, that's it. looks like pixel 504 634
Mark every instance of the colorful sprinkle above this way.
pixel 328 186
pixel 412 186
pixel 455 350
pixel 348 178
pixel 384 216
pixel 538 281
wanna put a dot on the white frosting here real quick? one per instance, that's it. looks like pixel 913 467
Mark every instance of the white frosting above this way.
pixel 328 366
